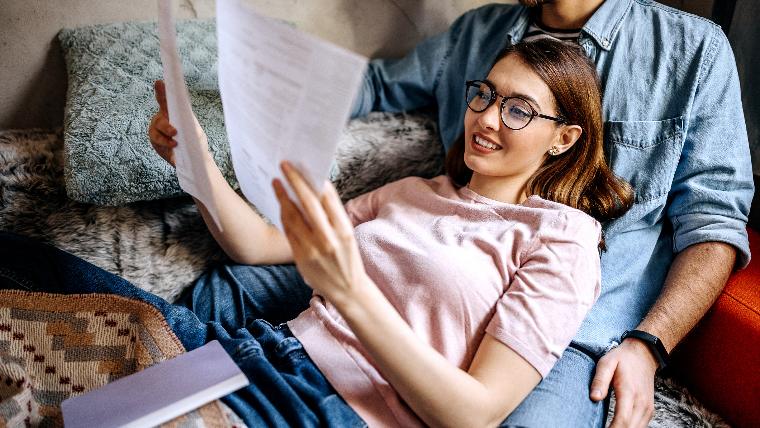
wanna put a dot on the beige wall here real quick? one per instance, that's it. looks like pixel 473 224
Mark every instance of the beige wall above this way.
pixel 32 73
pixel 33 79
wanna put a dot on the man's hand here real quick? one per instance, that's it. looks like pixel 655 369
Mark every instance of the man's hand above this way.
pixel 630 369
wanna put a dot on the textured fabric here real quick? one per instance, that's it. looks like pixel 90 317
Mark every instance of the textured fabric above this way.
pixel 111 69
pixel 54 347
pixel 457 265
pixel 674 129
pixel 286 390
pixel 162 246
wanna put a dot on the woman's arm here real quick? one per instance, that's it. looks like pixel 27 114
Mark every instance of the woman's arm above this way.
pixel 440 393
pixel 247 238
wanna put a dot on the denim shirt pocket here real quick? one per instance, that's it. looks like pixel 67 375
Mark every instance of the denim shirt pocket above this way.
pixel 646 154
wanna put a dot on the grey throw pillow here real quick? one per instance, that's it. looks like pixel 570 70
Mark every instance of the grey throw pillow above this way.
pixel 111 68
pixel 108 159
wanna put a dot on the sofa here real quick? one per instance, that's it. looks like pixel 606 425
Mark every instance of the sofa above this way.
pixel 162 245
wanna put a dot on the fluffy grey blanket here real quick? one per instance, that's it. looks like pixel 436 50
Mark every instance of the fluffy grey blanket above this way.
pixel 162 246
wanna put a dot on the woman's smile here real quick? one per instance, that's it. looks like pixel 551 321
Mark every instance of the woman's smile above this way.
pixel 483 145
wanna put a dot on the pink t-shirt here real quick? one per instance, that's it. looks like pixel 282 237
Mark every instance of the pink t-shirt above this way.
pixel 457 265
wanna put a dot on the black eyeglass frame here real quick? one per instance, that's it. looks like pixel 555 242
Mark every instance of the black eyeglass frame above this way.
pixel 504 98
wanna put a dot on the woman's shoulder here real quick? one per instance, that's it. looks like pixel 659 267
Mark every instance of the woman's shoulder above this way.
pixel 558 219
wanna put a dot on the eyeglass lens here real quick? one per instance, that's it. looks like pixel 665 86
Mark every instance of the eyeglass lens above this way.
pixel 515 112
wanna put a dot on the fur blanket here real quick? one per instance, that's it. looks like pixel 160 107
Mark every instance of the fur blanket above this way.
pixel 162 246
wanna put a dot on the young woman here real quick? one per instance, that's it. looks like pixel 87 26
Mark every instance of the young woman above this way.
pixel 442 301
pixel 447 300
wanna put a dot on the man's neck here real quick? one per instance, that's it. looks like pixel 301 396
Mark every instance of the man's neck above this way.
pixel 568 14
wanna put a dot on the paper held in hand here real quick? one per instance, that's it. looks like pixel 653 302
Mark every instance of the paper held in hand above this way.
pixel 286 95
pixel 191 154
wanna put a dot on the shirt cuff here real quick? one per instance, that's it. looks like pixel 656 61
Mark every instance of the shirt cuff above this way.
pixel 698 228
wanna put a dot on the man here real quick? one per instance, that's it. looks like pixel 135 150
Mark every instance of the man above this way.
pixel 674 129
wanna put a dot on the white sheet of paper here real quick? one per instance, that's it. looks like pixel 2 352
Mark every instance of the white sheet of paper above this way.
pixel 192 146
pixel 286 95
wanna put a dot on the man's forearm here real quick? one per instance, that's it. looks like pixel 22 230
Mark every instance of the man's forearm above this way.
pixel 696 278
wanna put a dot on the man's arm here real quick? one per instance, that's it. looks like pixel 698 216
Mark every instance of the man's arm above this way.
pixel 694 281
pixel 406 83
pixel 709 202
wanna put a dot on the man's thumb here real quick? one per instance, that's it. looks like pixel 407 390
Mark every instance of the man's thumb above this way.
pixel 605 369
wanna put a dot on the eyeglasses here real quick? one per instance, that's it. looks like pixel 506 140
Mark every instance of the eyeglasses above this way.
pixel 515 112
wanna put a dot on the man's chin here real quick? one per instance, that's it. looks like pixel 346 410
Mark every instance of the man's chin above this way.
pixel 534 3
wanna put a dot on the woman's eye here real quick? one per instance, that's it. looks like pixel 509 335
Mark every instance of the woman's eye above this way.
pixel 485 96
pixel 518 112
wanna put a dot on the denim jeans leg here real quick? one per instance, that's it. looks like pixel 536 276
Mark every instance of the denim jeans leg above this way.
pixel 287 389
pixel 561 399
pixel 235 295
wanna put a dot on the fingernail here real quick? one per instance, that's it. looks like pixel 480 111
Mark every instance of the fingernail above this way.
pixel 596 393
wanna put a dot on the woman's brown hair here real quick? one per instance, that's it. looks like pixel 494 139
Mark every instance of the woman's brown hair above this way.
pixel 579 177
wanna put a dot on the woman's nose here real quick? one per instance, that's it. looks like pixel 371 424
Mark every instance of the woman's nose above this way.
pixel 489 118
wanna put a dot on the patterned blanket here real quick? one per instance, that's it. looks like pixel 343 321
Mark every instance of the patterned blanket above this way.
pixel 53 347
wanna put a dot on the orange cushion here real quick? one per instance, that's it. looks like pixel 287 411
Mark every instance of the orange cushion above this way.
pixel 720 359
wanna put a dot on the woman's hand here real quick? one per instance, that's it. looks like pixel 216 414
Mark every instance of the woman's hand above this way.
pixel 160 131
pixel 322 239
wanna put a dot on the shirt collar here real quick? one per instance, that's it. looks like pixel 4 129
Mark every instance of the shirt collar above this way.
pixel 521 25
pixel 604 24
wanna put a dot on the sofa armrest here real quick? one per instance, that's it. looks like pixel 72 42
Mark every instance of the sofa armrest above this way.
pixel 720 359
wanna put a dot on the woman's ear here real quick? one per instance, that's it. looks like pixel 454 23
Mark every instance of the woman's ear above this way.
pixel 568 136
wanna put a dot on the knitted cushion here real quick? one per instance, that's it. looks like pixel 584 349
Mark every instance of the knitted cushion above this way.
pixel 111 69
pixel 108 159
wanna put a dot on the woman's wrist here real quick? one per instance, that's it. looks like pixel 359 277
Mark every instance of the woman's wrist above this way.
pixel 356 298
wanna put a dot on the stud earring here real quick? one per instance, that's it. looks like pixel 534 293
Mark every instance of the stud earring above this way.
pixel 554 151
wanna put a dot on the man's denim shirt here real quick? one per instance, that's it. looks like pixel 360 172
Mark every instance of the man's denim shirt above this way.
pixel 674 128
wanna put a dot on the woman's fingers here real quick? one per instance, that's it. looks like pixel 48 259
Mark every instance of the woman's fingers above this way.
pixel 160 90
pixel 313 212
pixel 291 218
pixel 160 123
pixel 335 212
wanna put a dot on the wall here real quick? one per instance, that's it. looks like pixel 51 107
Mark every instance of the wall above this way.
pixel 32 73
pixel 697 7
pixel 745 40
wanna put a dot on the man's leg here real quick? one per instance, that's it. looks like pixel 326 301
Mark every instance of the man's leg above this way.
pixel 235 295
pixel 562 397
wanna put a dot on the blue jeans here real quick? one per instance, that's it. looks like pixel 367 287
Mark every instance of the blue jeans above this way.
pixel 234 294
pixel 286 389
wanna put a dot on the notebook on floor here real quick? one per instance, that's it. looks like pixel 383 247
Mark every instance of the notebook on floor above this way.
pixel 159 393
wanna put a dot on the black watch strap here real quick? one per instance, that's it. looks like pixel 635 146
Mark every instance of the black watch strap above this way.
pixel 653 342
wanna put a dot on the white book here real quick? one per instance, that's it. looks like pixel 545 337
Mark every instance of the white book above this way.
pixel 159 393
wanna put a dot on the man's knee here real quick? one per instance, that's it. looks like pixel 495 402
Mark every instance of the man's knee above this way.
pixel 562 398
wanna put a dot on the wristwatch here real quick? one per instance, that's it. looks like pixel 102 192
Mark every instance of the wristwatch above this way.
pixel 653 343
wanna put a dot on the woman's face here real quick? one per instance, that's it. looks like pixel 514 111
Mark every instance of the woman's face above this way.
pixel 511 153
